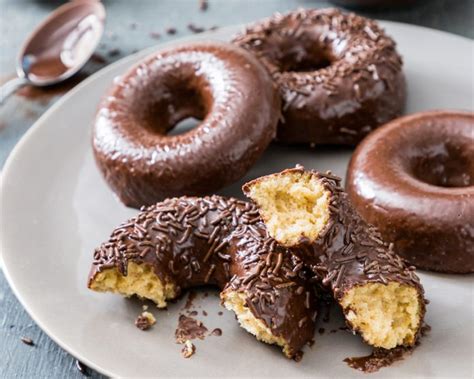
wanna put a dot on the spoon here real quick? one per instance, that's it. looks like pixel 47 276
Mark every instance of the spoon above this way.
pixel 59 46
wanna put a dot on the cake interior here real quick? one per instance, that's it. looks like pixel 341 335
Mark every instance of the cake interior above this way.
pixel 385 315
pixel 236 301
pixel 294 205
pixel 140 280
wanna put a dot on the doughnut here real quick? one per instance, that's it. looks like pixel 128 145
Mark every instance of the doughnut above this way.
pixel 186 242
pixel 224 86
pixel 339 74
pixel 414 179
pixel 308 212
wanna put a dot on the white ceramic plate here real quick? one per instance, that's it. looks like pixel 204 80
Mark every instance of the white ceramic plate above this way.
pixel 56 208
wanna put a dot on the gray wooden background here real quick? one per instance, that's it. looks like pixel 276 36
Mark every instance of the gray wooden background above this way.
pixel 133 25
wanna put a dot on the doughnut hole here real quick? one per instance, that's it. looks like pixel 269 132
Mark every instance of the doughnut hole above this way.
pixel 237 302
pixel 294 205
pixel 180 98
pixel 140 281
pixel 446 164
pixel 385 315
pixel 302 55
pixel 184 126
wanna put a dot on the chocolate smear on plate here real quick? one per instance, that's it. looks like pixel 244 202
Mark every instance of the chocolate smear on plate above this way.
pixel 382 357
pixel 188 329
pixel 378 359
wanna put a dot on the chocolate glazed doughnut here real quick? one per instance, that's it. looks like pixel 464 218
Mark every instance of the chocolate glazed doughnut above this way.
pixel 186 242
pixel 339 74
pixel 309 213
pixel 414 180
pixel 220 84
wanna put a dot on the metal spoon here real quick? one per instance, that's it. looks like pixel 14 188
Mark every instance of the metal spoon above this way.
pixel 59 47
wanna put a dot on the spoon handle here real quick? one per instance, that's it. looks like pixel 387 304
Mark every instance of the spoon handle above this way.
pixel 11 87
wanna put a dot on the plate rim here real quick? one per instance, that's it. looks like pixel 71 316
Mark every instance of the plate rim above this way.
pixel 40 122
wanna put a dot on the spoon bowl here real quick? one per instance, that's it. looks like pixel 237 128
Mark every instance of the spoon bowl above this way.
pixel 59 47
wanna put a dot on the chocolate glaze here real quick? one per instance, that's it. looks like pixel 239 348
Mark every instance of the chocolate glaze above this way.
pixel 414 180
pixel 189 328
pixel 214 240
pixel 219 83
pixel 349 252
pixel 339 74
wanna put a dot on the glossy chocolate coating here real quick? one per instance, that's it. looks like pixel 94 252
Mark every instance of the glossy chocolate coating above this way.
pixel 349 252
pixel 221 84
pixel 339 74
pixel 414 180
pixel 214 240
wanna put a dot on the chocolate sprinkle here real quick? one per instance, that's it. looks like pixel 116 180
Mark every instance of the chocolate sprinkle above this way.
pixel 27 341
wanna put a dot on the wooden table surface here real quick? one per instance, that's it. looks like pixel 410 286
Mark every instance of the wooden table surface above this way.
pixel 131 26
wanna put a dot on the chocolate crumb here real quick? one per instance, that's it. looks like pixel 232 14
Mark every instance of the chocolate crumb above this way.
pixel 171 31
pixel 145 321
pixel 193 313
pixel 83 369
pixel 204 313
pixel 321 330
pixel 298 356
pixel 333 331
pixel 195 29
pixel 214 27
pixel 188 349
pixel 217 332
pixel 27 341
pixel 220 313
pixel 155 35
pixel 113 53
pixel 203 5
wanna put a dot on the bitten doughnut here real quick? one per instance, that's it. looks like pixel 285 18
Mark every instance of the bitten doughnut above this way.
pixel 382 298
pixel 414 180
pixel 222 85
pixel 185 242
pixel 339 74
